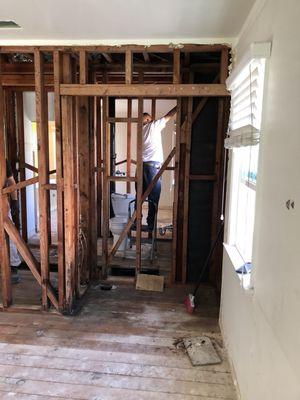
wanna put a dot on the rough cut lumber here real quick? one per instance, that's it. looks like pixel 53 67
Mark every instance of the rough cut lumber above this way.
pixel 4 248
pixel 128 143
pixel 98 132
pixel 20 185
pixel 176 66
pixel 84 158
pixel 188 137
pixel 176 187
pixel 57 72
pixel 139 185
pixel 106 169
pixel 159 48
pixel 43 166
pixel 146 90
pixel 153 283
pixel 21 156
pixel 128 67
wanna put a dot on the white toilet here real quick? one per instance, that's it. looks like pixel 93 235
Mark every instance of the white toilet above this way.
pixel 120 204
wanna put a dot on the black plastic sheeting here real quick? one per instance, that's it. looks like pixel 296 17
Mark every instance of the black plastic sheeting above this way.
pixel 202 161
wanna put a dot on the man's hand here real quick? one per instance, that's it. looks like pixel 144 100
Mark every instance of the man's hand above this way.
pixel 15 212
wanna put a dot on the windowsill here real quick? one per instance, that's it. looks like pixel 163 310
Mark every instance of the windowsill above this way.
pixel 237 261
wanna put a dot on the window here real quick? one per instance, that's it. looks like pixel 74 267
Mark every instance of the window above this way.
pixel 246 84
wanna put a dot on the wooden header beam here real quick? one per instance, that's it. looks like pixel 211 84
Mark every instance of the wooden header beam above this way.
pixel 137 90
pixel 160 48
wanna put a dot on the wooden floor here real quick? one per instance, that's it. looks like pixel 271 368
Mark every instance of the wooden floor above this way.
pixel 125 344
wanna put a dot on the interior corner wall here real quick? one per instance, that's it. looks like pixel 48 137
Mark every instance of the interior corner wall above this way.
pixel 30 148
pixel 261 328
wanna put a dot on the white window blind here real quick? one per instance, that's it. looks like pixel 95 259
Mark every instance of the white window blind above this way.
pixel 246 84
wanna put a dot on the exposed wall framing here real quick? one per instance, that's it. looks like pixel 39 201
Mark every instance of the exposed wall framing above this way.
pixel 85 80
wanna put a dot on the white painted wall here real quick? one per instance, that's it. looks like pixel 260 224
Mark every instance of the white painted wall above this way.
pixel 30 148
pixel 262 327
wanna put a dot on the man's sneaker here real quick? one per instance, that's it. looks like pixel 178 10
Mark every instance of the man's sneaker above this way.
pixel 14 275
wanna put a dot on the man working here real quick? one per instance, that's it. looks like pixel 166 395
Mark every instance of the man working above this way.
pixel 153 158
pixel 15 260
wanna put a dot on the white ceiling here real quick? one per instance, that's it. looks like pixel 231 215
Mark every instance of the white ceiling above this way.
pixel 123 21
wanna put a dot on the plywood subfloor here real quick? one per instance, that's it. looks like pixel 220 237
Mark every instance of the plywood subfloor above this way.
pixel 125 345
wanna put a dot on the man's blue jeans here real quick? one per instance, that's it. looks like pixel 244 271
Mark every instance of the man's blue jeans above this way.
pixel 150 169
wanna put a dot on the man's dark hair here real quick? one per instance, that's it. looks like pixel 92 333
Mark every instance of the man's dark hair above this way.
pixel 146 115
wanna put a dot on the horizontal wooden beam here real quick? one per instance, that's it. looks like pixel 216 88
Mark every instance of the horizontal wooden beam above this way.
pixel 159 48
pixel 20 185
pixel 50 186
pixel 137 90
pixel 124 119
pixel 122 178
pixel 24 80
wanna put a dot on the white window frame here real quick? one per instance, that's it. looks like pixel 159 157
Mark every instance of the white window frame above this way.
pixel 240 137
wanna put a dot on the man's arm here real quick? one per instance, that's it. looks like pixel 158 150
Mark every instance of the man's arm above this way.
pixel 170 114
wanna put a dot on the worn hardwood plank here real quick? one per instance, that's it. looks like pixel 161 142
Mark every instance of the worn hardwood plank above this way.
pixel 102 381
pixel 116 368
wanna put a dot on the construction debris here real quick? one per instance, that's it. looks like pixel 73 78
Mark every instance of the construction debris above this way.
pixel 201 351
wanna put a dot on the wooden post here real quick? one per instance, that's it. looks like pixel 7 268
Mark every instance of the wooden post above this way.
pixel 176 185
pixel 57 65
pixel 4 248
pixel 128 156
pixel 106 188
pixel 21 156
pixel 97 126
pixel 153 108
pixel 139 185
pixel 187 135
pixel 93 268
pixel 84 157
pixel 128 67
pixel 70 220
pixel 176 66
pixel 43 166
